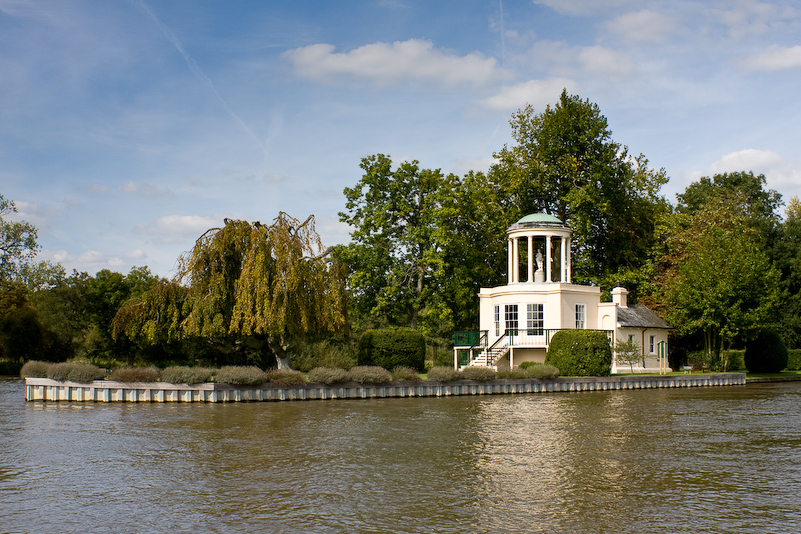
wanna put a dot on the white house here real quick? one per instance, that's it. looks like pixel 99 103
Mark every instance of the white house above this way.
pixel 518 320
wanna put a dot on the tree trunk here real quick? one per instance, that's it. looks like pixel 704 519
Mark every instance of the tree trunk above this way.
pixel 279 347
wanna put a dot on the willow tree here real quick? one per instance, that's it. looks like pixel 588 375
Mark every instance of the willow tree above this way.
pixel 266 286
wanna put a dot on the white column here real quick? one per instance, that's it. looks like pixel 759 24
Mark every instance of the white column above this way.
pixel 530 259
pixel 509 277
pixel 563 256
pixel 548 258
pixel 515 260
pixel 568 263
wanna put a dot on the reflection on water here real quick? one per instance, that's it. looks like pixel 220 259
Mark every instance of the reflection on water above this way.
pixel 674 460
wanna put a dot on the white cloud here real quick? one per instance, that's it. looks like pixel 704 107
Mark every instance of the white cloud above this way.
pixel 584 7
pixel 746 17
pixel 606 63
pixel 180 225
pixel 775 58
pixel 780 174
pixel 642 26
pixel 145 189
pixel 538 93
pixel 386 64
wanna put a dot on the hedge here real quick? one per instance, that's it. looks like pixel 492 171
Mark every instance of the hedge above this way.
pixel 766 353
pixel 392 347
pixel 580 353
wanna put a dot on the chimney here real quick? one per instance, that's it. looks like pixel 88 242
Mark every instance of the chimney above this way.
pixel 620 297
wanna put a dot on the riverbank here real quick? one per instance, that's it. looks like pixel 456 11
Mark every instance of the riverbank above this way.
pixel 45 389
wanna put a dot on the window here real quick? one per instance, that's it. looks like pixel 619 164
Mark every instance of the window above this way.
pixel 581 316
pixel 497 321
pixel 652 345
pixel 631 338
pixel 535 321
pixel 510 315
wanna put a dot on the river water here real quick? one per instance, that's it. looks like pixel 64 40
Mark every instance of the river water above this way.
pixel 695 460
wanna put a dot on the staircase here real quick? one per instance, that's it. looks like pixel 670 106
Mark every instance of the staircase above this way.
pixel 490 355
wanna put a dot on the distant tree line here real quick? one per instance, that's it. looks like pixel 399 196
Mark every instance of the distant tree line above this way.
pixel 721 264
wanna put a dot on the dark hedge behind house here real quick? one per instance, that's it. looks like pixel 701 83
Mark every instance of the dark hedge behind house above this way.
pixel 766 353
pixel 393 347
pixel 580 353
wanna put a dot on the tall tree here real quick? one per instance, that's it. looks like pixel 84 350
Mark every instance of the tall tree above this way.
pixel 717 278
pixel 18 245
pixel 400 230
pixel 566 163
pixel 262 285
pixel 788 261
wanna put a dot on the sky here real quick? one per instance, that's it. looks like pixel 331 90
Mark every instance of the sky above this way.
pixel 129 128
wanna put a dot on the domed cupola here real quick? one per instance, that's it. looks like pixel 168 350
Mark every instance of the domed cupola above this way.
pixel 539 250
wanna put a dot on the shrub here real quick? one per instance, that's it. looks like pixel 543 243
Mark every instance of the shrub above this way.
pixel 134 374
pixel 794 359
pixel 580 353
pixel 478 373
pixel 517 372
pixel 75 372
pixel 328 375
pixel 766 353
pixel 369 374
pixel 240 375
pixel 34 369
pixel 325 353
pixel 286 377
pixel 183 374
pixel 406 374
pixel 526 365
pixel 543 371
pixel 734 359
pixel 392 347
pixel 443 373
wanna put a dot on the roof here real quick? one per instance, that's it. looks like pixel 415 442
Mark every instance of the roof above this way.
pixel 640 317
pixel 539 217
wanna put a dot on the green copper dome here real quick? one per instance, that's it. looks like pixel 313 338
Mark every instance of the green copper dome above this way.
pixel 539 218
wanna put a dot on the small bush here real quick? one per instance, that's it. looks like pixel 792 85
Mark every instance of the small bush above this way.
pixel 512 373
pixel 794 359
pixel 325 353
pixel 240 375
pixel 369 374
pixel 543 371
pixel 526 365
pixel 580 353
pixel 478 373
pixel 443 373
pixel 393 347
pixel 735 359
pixel 75 372
pixel 328 375
pixel 286 377
pixel 766 353
pixel 134 374
pixel 34 369
pixel 183 374
pixel 406 374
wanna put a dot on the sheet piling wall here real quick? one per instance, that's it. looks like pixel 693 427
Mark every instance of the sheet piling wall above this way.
pixel 43 389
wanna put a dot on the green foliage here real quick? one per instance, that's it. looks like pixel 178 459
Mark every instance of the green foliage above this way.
pixel 240 375
pixel 517 372
pixel 369 374
pixel 580 353
pixel 182 374
pixel 400 228
pixel 406 374
pixel 328 375
pixel 75 372
pixel 543 371
pixel 134 374
pixel 766 353
pixel 478 373
pixel 18 245
pixel 443 373
pixel 286 377
pixel 269 284
pixel 627 353
pixel 34 369
pixel 732 360
pixel 324 353
pixel 794 359
pixel 392 347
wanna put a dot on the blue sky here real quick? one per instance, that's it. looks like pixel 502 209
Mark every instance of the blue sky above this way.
pixel 128 128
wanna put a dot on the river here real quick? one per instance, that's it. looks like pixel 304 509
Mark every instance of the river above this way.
pixel 720 459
